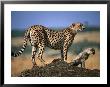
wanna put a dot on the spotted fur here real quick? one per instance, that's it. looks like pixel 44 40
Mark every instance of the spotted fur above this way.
pixel 82 57
pixel 40 37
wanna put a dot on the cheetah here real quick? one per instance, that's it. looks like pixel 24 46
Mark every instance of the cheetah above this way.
pixel 40 37
pixel 82 57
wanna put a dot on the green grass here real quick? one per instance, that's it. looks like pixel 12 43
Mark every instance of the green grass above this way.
pixel 17 33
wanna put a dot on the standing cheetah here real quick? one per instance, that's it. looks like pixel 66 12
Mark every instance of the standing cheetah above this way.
pixel 40 37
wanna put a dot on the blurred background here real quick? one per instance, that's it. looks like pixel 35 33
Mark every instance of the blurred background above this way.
pixel 90 37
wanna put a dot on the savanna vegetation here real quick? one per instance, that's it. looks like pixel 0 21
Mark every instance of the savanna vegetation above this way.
pixel 88 38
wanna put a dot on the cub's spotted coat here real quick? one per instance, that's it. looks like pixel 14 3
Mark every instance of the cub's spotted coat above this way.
pixel 82 57
pixel 40 37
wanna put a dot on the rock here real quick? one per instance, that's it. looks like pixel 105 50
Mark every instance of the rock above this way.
pixel 58 68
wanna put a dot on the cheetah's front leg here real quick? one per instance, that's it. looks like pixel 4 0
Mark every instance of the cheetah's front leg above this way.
pixel 33 55
pixel 40 54
pixel 62 54
pixel 65 50
pixel 83 63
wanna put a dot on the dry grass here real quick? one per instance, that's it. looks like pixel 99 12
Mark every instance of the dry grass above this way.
pixel 89 36
pixel 94 61
pixel 24 61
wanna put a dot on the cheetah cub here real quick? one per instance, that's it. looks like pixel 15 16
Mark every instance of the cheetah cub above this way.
pixel 82 57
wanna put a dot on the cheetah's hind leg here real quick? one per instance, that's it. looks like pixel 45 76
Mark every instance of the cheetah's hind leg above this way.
pixel 40 54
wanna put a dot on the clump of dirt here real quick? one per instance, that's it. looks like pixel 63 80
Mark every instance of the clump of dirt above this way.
pixel 58 68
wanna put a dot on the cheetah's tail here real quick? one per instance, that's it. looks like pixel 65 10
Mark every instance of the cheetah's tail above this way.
pixel 19 52
pixel 23 47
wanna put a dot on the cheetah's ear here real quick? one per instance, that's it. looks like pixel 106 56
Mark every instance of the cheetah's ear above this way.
pixel 73 24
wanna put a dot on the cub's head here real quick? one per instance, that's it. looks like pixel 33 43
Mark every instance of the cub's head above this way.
pixel 90 51
pixel 77 26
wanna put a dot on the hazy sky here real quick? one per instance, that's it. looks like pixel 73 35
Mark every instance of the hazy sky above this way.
pixel 24 19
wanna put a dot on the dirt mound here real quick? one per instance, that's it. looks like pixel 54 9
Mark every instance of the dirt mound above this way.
pixel 58 68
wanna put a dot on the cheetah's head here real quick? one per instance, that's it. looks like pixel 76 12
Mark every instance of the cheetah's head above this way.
pixel 90 51
pixel 77 26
